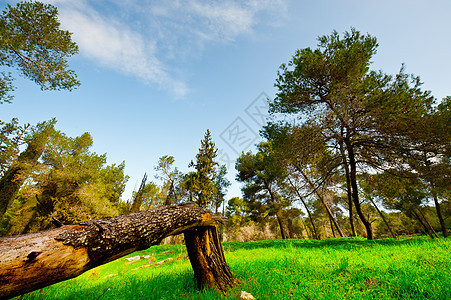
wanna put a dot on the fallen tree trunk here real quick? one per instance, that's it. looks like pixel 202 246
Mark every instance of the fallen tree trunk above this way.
pixel 32 261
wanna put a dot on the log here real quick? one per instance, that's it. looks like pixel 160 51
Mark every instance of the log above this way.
pixel 33 261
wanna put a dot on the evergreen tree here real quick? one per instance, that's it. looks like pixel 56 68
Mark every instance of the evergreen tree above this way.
pixel 361 113
pixel 69 183
pixel 221 185
pixel 21 168
pixel 263 175
pixel 12 136
pixel 33 43
pixel 202 182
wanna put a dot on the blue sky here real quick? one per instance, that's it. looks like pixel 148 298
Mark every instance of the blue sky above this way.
pixel 157 74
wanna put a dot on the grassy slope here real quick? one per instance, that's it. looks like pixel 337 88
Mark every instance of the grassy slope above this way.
pixel 346 268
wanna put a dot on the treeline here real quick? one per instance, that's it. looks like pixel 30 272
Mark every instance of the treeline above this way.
pixel 348 150
pixel 57 180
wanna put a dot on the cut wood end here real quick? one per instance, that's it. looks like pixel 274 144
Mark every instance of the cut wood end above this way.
pixel 206 217
pixel 209 218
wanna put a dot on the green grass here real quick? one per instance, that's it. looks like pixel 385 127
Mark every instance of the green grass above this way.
pixel 345 268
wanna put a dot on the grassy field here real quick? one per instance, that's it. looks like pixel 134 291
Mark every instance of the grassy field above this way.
pixel 345 268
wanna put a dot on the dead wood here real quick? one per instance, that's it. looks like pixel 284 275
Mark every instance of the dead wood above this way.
pixel 32 261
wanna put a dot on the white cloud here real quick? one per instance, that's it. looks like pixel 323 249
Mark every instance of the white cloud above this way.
pixel 111 43
pixel 215 20
pixel 144 38
pixel 223 19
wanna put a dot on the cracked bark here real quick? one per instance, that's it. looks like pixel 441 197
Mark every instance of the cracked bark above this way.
pixel 207 258
pixel 32 261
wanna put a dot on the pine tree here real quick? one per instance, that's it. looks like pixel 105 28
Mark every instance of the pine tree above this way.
pixel 33 43
pixel 202 183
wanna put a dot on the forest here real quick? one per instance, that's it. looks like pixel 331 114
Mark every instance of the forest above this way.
pixel 347 152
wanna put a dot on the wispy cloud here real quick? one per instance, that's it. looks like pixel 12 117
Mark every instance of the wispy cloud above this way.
pixel 146 39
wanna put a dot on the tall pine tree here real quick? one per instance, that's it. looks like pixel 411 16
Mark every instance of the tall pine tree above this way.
pixel 202 183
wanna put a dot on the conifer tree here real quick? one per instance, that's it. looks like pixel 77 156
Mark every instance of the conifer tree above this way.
pixel 361 113
pixel 33 43
pixel 202 183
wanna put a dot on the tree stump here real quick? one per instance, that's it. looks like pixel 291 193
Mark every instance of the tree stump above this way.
pixel 207 259
pixel 33 261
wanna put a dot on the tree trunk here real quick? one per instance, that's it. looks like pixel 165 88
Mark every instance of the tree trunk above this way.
pixel 282 230
pixel 329 212
pixel 348 189
pixel 317 237
pixel 278 217
pixel 32 261
pixel 355 192
pixel 321 198
pixel 440 217
pixel 310 235
pixel 383 218
pixel 428 223
pixel 439 212
pixel 426 229
pixel 332 227
pixel 138 200
pixel 207 258
pixel 290 228
pixel 15 176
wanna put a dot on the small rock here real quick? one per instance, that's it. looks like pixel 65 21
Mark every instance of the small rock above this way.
pixel 144 266
pixel 155 264
pixel 246 296
pixel 163 261
pixel 134 258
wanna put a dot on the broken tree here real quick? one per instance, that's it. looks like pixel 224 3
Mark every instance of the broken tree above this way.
pixel 32 261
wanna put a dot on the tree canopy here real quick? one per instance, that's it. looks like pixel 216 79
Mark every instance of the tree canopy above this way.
pixel 32 42
pixel 68 182
pixel 366 118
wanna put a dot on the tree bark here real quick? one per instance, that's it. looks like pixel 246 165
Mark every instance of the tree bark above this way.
pixel 207 258
pixel 278 217
pixel 279 221
pixel 32 261
pixel 329 212
pixel 348 189
pixel 355 192
pixel 332 226
pixel 438 210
